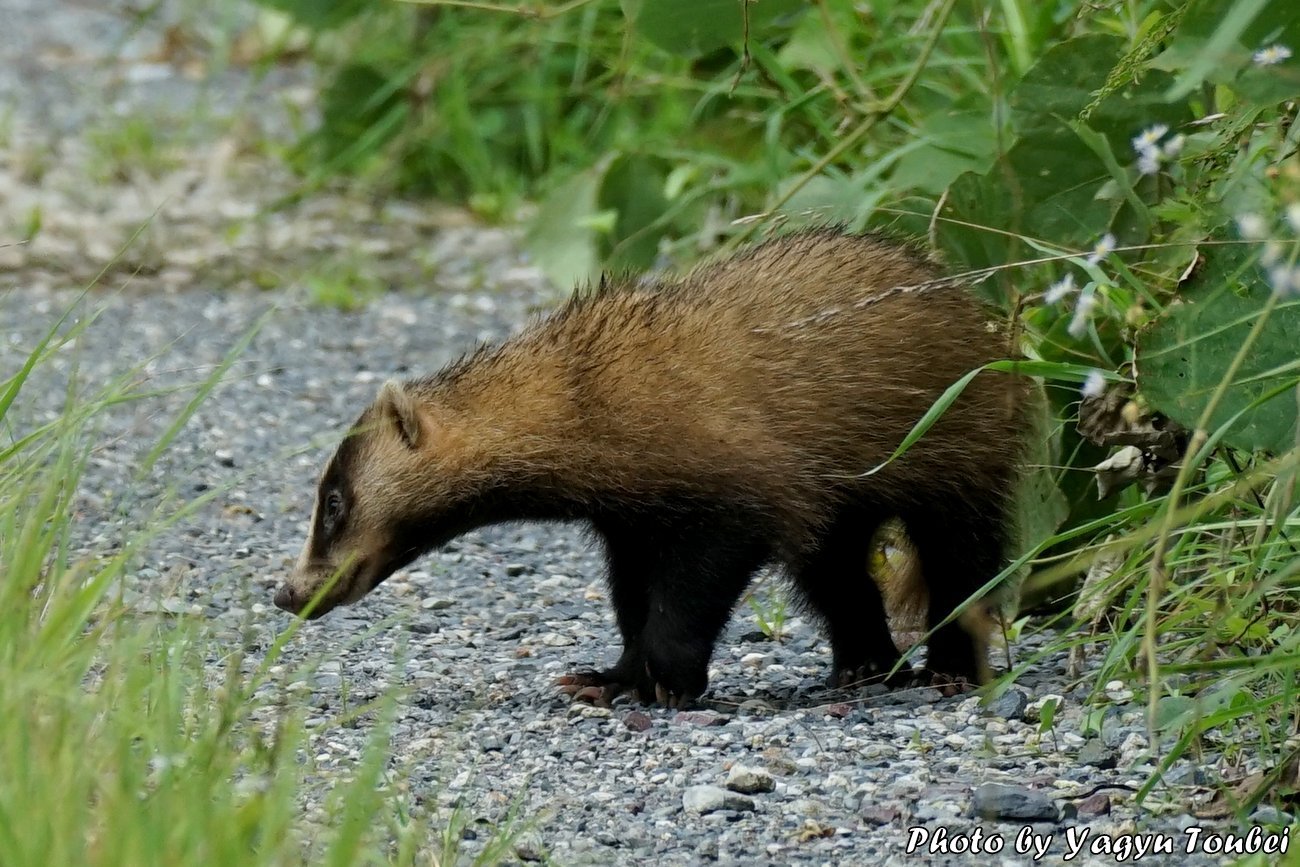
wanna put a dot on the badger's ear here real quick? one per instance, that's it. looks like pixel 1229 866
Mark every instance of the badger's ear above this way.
pixel 399 406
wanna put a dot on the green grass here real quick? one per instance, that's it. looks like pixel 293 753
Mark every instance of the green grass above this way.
pixel 122 146
pixel 139 739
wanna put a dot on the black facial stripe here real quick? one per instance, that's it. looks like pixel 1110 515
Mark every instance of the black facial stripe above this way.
pixel 338 473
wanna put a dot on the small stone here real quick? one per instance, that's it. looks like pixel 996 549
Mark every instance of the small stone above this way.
pixel 1010 705
pixel 490 744
pixel 1268 815
pixel 1114 729
pixel 749 780
pixel 710 799
pixel 1117 692
pixel 434 604
pixel 1096 804
pixel 638 721
pixel 528 847
pixel 1000 801
pixel 1186 775
pixel 515 569
pixel 1034 710
pixel 880 814
pixel 700 718
pixel 754 707
pixel 839 710
pixel 1097 754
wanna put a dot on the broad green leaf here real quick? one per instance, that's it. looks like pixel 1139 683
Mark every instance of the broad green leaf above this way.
pixel 978 212
pixel 810 45
pixel 1063 82
pixel 1215 28
pixel 1041 506
pixel 634 189
pixel 695 27
pixel 1067 81
pixel 561 236
pixel 1184 355
pixel 1217 42
pixel 951 142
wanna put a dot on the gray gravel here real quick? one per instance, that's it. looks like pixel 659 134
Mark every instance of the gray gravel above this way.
pixel 474 634
pixel 771 768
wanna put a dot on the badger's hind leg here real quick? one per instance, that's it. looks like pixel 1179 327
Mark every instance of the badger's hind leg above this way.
pixel 835 579
pixel 959 549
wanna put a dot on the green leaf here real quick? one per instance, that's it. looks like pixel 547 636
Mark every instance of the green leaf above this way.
pixel 1063 82
pixel 1223 29
pixel 1184 355
pixel 950 143
pixel 561 236
pixel 633 188
pixel 695 27
pixel 361 110
pixel 1069 78
pixel 1216 43
pixel 1041 506
pixel 811 45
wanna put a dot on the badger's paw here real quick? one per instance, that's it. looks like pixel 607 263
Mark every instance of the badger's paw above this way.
pixel 627 676
pixel 948 684
pixel 852 677
pixel 593 687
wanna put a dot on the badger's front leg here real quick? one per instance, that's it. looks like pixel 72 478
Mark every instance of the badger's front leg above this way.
pixel 673 581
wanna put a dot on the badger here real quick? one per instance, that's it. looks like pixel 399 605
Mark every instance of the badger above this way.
pixel 744 415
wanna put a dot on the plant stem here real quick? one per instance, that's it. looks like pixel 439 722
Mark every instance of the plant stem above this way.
pixel 1159 570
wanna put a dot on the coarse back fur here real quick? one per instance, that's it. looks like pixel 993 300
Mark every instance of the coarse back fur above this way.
pixel 728 416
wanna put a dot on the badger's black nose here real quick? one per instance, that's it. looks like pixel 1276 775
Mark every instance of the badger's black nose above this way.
pixel 286 599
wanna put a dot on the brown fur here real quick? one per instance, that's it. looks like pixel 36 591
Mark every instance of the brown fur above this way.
pixel 727 416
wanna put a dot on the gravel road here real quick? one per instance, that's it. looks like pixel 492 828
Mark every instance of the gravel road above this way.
pixel 771 768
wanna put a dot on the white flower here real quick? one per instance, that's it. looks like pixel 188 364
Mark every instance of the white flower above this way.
pixel 1272 55
pixel 1150 137
pixel 1082 313
pixel 1285 279
pixel 1174 146
pixel 1059 289
pixel 1094 385
pixel 1252 227
pixel 1272 252
pixel 1103 248
pixel 1293 216
pixel 1149 162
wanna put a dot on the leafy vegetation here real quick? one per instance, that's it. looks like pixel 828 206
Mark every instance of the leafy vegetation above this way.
pixel 1121 179
pixel 134 737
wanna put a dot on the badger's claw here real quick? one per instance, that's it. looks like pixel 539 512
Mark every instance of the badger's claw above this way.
pixel 591 687
pixel 947 684
pixel 865 675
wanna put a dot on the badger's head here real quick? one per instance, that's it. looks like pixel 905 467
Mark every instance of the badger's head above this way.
pixel 377 505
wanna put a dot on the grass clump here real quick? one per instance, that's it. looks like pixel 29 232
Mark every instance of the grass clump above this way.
pixel 134 738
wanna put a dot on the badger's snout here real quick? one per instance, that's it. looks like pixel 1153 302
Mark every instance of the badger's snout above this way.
pixel 287 600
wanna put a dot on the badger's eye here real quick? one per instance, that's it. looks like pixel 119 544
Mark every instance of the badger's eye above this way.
pixel 332 512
